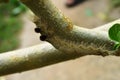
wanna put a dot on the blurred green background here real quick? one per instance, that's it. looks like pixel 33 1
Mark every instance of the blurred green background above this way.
pixel 10 24
pixel 115 3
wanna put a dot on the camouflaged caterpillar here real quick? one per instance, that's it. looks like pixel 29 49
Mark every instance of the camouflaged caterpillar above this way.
pixel 79 48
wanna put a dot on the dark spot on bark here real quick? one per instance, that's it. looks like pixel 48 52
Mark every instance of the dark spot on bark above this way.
pixel 43 37
pixel 37 30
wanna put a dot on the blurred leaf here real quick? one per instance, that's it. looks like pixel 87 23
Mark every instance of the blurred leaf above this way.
pixel 115 3
pixel 18 10
pixel 10 25
pixel 15 3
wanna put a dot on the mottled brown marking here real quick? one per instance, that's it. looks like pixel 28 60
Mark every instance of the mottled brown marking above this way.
pixel 70 24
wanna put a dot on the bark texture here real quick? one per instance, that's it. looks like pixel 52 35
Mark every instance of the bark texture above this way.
pixel 66 37
pixel 69 41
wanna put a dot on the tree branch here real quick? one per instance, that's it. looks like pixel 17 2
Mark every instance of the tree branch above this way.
pixel 35 57
pixel 66 37
pixel 107 26
pixel 63 35
pixel 31 58
pixel 71 41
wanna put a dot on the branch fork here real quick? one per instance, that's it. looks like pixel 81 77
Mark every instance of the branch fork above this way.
pixel 68 41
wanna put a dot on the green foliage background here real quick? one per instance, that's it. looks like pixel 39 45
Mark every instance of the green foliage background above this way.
pixel 115 3
pixel 10 24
